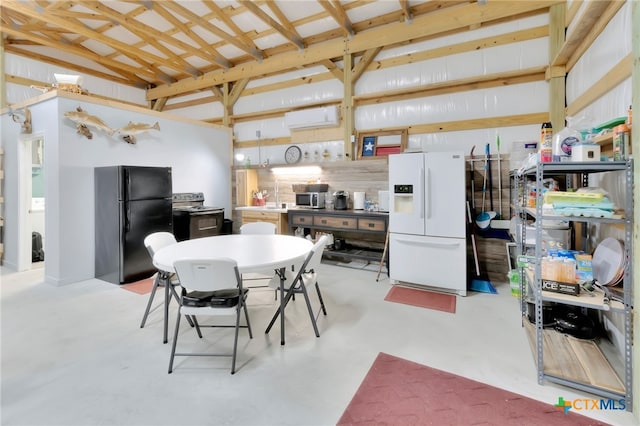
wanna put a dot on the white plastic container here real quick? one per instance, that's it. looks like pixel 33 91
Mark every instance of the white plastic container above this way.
pixel 585 152
pixel 358 200
pixel 563 142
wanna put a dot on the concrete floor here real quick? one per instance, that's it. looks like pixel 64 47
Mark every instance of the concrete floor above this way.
pixel 75 355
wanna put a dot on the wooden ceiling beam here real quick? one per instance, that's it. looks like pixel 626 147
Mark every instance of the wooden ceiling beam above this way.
pixel 406 10
pixel 145 33
pixel 78 28
pixel 260 14
pixel 365 61
pixel 236 91
pixel 128 79
pixel 338 14
pixel 448 19
pixel 333 68
pixel 222 16
pixel 80 51
pixel 215 56
pixel 272 5
pixel 207 26
pixel 585 21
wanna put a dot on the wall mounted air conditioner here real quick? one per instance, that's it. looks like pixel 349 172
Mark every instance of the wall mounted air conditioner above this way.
pixel 311 118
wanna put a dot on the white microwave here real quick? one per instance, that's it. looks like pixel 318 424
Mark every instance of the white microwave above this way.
pixel 314 200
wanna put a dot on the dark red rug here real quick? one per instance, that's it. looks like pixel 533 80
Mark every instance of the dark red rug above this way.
pixel 140 287
pixel 400 392
pixel 422 298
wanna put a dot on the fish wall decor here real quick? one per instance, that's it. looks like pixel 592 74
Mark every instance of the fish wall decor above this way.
pixel 129 131
pixel 84 120
pixel 24 119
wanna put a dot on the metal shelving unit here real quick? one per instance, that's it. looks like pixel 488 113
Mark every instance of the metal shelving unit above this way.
pixel 531 282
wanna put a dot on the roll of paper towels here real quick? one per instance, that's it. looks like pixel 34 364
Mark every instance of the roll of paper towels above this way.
pixel 358 200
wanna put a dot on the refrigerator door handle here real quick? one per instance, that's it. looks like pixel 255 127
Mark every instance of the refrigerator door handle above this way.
pixel 421 192
pixel 427 192
pixel 126 219
pixel 430 243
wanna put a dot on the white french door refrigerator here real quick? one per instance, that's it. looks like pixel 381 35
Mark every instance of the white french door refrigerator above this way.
pixel 427 220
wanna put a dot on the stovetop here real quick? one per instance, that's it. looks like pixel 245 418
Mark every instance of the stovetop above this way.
pixel 198 208
pixel 191 202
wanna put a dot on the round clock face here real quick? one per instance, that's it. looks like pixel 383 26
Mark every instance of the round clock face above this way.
pixel 293 154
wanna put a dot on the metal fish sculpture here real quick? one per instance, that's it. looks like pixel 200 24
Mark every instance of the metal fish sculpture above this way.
pixel 129 131
pixel 83 118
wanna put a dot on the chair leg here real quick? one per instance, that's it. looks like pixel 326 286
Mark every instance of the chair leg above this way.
pixel 174 294
pixel 235 340
pixel 324 310
pixel 195 322
pixel 246 315
pixel 275 316
pixel 303 288
pixel 175 341
pixel 156 283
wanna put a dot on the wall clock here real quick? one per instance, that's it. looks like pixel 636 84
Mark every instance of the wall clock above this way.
pixel 293 154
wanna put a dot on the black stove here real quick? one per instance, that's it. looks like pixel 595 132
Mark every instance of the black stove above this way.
pixel 192 219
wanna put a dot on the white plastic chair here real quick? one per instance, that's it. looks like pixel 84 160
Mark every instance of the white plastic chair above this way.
pixel 154 242
pixel 300 279
pixel 210 287
pixel 257 228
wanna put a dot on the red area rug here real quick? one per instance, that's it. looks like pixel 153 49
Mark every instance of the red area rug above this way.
pixel 422 298
pixel 400 392
pixel 141 287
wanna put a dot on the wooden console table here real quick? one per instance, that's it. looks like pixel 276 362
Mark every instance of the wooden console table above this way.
pixel 363 231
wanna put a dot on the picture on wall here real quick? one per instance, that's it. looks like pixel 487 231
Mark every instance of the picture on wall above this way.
pixel 380 144
pixel 368 148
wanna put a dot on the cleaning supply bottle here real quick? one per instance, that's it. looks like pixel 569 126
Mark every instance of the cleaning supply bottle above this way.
pixel 564 140
pixel 546 142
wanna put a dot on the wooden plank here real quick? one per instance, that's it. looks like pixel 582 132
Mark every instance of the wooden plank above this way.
pixel 454 86
pixel 598 370
pixel 619 72
pixel 585 22
pixel 434 23
pixel 594 32
pixel 479 123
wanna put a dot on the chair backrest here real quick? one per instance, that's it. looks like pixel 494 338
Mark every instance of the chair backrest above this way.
pixel 157 240
pixel 208 274
pixel 258 228
pixel 315 255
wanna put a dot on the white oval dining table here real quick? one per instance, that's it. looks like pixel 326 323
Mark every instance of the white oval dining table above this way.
pixel 253 253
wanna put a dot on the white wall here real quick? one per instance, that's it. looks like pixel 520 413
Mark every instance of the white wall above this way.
pixel 199 154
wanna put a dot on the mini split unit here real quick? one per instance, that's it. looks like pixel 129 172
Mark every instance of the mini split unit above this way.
pixel 311 118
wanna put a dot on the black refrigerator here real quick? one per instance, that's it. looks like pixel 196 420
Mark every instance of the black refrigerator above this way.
pixel 131 202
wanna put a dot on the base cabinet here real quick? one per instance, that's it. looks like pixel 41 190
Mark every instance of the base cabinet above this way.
pixel 278 219
pixel 358 235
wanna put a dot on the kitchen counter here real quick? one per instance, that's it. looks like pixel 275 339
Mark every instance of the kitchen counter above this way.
pixel 266 209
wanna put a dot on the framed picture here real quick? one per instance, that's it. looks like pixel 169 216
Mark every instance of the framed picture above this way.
pixel 368 148
pixel 380 144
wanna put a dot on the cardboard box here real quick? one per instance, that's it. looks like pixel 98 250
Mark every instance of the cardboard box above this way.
pixel 585 152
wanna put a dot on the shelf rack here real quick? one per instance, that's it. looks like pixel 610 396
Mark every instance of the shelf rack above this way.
pixel 532 279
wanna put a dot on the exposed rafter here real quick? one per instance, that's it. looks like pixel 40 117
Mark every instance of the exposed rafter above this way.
pixel 263 16
pixel 338 14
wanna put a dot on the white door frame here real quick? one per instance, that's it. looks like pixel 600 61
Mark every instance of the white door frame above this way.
pixel 25 160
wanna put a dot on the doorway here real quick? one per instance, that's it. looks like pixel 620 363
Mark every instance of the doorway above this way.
pixel 31 202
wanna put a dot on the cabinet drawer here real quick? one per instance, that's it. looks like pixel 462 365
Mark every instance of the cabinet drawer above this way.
pixel 302 220
pixel 335 222
pixel 266 216
pixel 369 224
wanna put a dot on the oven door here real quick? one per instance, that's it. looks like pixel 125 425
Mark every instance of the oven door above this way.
pixel 205 224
